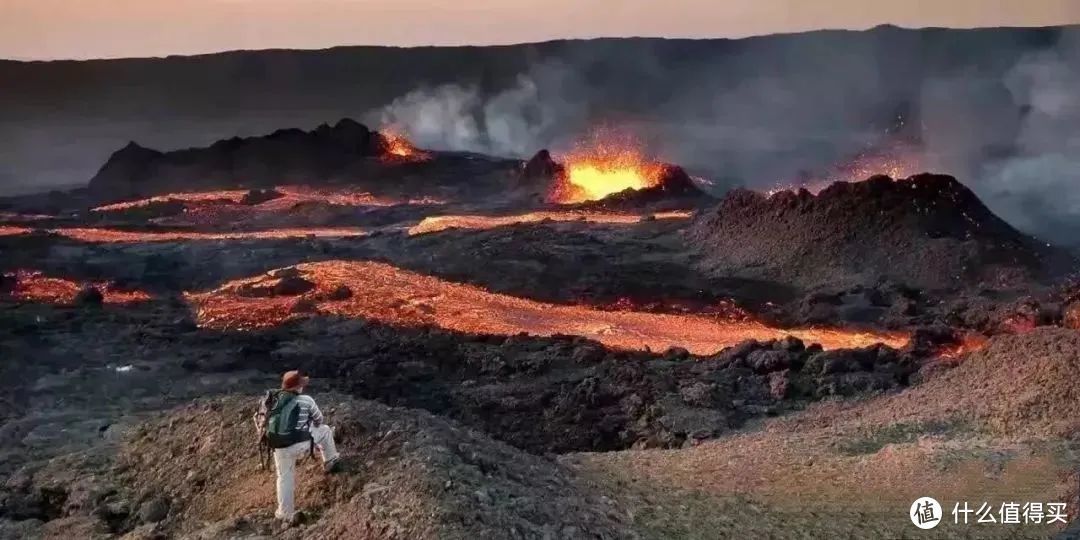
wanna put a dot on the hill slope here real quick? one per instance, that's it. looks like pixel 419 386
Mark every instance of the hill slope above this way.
pixel 928 231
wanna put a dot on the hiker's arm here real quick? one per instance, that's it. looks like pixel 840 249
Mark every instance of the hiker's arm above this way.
pixel 316 414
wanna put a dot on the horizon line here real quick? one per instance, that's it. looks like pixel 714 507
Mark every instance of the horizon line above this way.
pixel 26 60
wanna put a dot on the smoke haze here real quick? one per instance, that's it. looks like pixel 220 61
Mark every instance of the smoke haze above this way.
pixel 1014 137
pixel 997 108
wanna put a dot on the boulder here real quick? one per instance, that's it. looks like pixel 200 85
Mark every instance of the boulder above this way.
pixel 89 296
pixel 293 286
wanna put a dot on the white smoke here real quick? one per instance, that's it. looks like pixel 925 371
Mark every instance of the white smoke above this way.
pixel 514 122
pixel 1038 187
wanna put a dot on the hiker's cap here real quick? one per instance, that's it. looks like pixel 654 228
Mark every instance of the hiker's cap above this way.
pixel 292 380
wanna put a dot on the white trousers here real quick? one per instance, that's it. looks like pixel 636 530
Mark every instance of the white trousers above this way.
pixel 285 464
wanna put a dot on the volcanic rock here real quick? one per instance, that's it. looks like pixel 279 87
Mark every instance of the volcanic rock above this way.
pixel 341 292
pixel 7 283
pixel 293 286
pixel 928 232
pixel 268 160
pixel 407 474
pixel 541 167
pixel 89 296
pixel 259 196
pixel 153 510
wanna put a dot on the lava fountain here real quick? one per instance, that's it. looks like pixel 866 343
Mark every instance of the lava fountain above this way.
pixel 602 169
pixel 403 298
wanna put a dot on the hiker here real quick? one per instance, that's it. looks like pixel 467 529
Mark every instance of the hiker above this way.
pixel 291 424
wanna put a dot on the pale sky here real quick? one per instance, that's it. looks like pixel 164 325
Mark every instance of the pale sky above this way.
pixel 50 29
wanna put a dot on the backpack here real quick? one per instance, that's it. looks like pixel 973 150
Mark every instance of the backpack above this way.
pixel 276 421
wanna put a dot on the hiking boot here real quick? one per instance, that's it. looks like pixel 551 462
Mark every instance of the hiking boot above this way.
pixel 332 466
pixel 289 521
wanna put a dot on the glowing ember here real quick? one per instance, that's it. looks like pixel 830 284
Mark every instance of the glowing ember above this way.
pixel 399 148
pixel 441 223
pixel 394 296
pixel 603 169
pixel 969 343
pixel 32 286
pixel 896 159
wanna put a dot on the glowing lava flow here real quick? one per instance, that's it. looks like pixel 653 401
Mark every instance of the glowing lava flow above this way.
pixel 441 223
pixel 33 286
pixel 12 230
pixel 399 297
pixel 96 235
pixel 229 196
pixel 291 195
pixel 603 170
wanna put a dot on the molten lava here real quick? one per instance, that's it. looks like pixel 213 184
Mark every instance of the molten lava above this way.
pixel 600 171
pixel 291 196
pixel 12 230
pixel 969 343
pixel 223 196
pixel 225 209
pixel 441 223
pixel 400 148
pixel 102 235
pixel 394 296
pixel 33 286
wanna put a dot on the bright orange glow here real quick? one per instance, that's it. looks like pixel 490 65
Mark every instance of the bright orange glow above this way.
pixel 231 195
pixel 395 296
pixel 33 286
pixel 604 168
pixel 12 230
pixel 400 148
pixel 223 208
pixel 969 343
pixel 441 223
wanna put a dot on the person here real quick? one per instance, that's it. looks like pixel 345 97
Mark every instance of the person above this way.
pixel 291 423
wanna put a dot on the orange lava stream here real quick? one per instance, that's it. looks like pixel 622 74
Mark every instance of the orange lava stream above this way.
pixel 12 230
pixel 33 286
pixel 22 218
pixel 391 295
pixel 292 195
pixel 101 235
pixel 231 195
pixel 441 223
